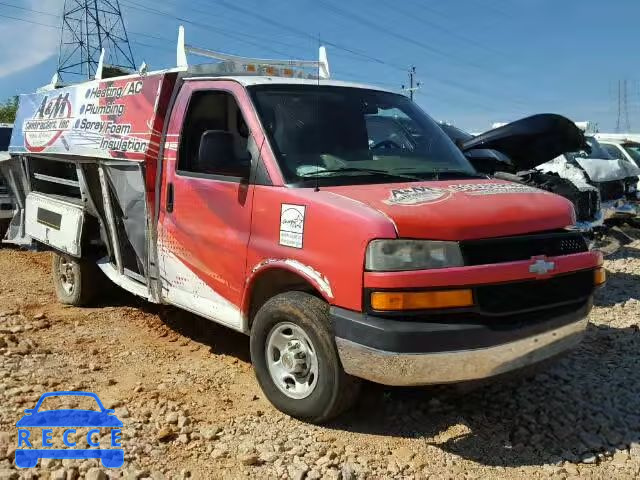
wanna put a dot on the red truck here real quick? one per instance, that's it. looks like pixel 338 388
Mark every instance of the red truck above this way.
pixel 334 223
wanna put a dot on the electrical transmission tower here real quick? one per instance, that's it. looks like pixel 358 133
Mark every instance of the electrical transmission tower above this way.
pixel 623 106
pixel 88 26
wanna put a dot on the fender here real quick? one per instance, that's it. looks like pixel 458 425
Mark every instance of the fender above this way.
pixel 315 278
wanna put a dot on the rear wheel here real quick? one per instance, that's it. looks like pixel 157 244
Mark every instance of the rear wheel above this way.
pixel 75 281
pixel 296 361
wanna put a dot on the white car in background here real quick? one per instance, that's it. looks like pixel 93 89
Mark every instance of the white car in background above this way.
pixel 623 148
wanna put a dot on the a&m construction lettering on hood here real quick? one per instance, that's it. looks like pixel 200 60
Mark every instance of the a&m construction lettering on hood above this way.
pixel 418 195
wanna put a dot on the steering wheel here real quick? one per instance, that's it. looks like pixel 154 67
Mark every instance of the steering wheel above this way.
pixel 386 144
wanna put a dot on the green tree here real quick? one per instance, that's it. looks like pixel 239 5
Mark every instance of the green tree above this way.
pixel 8 110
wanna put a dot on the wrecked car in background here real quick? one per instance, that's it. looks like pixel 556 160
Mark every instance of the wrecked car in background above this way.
pixel 513 151
pixel 623 147
pixel 6 199
pixel 615 178
pixel 550 152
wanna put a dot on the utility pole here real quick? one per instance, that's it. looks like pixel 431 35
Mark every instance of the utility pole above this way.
pixel 413 85
pixel 88 26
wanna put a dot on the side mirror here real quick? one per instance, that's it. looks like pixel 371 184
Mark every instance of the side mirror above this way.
pixel 29 411
pixel 216 155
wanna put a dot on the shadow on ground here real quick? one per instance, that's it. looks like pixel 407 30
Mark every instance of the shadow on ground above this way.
pixel 218 339
pixel 585 403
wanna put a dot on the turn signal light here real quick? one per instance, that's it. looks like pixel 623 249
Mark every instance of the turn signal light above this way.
pixel 599 276
pixel 421 300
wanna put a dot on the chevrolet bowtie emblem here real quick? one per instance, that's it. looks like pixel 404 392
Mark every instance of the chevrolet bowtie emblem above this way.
pixel 541 267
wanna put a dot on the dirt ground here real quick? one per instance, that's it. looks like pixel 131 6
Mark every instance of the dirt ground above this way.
pixel 185 391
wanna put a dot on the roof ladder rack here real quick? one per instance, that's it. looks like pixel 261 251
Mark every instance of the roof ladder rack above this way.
pixel 258 66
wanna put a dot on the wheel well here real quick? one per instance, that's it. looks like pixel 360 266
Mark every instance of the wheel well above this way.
pixel 273 282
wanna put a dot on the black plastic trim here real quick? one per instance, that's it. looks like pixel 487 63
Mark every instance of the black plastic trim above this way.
pixel 458 332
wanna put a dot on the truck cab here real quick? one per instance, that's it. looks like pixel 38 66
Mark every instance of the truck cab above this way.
pixel 334 223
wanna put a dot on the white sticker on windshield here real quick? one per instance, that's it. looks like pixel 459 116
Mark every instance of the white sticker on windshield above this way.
pixel 292 225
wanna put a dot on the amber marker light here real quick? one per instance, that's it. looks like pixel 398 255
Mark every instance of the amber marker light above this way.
pixel 389 301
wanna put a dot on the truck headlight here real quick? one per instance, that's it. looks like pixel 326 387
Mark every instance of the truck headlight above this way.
pixel 399 255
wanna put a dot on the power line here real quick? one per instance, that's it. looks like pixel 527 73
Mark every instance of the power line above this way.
pixel 168 49
pixel 399 36
pixel 29 9
pixel 235 35
pixel 448 84
pixel 304 34
pixel 422 20
pixel 33 22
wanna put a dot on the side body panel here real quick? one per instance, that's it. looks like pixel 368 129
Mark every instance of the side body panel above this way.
pixel 329 249
pixel 202 239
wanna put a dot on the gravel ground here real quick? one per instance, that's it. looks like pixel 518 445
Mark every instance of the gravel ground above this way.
pixel 191 408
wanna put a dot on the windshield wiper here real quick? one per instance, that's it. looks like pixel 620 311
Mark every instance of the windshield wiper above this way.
pixel 437 173
pixel 371 171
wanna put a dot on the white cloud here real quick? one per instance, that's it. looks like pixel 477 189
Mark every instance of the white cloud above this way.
pixel 27 45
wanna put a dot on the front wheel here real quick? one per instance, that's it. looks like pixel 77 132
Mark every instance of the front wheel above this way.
pixel 296 360
pixel 75 281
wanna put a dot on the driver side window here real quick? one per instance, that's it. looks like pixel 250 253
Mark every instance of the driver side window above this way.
pixel 217 113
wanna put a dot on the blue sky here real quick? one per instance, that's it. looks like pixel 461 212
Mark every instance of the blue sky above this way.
pixel 479 61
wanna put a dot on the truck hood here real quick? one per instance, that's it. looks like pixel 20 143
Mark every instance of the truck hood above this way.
pixel 531 141
pixel 463 209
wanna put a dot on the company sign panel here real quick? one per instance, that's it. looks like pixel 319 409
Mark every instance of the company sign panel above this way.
pixel 109 119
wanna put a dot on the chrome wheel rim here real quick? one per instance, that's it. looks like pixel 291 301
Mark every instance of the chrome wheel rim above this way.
pixel 67 278
pixel 292 360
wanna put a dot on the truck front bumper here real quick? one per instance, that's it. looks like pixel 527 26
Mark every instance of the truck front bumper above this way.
pixel 409 353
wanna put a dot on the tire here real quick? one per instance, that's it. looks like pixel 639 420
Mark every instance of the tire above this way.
pixel 76 282
pixel 322 390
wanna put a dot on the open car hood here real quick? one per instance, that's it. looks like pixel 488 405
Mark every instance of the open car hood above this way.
pixel 531 141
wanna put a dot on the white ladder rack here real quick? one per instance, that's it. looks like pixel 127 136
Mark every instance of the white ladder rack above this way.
pixel 257 66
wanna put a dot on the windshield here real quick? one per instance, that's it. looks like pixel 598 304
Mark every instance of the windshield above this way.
pixel 597 151
pixel 455 133
pixel 343 135
pixel 633 149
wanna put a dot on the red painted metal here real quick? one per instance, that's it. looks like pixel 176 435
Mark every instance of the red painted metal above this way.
pixel 480 274
pixel 228 233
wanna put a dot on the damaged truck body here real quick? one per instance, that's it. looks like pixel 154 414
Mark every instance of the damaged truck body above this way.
pixel 288 208
pixel 550 152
